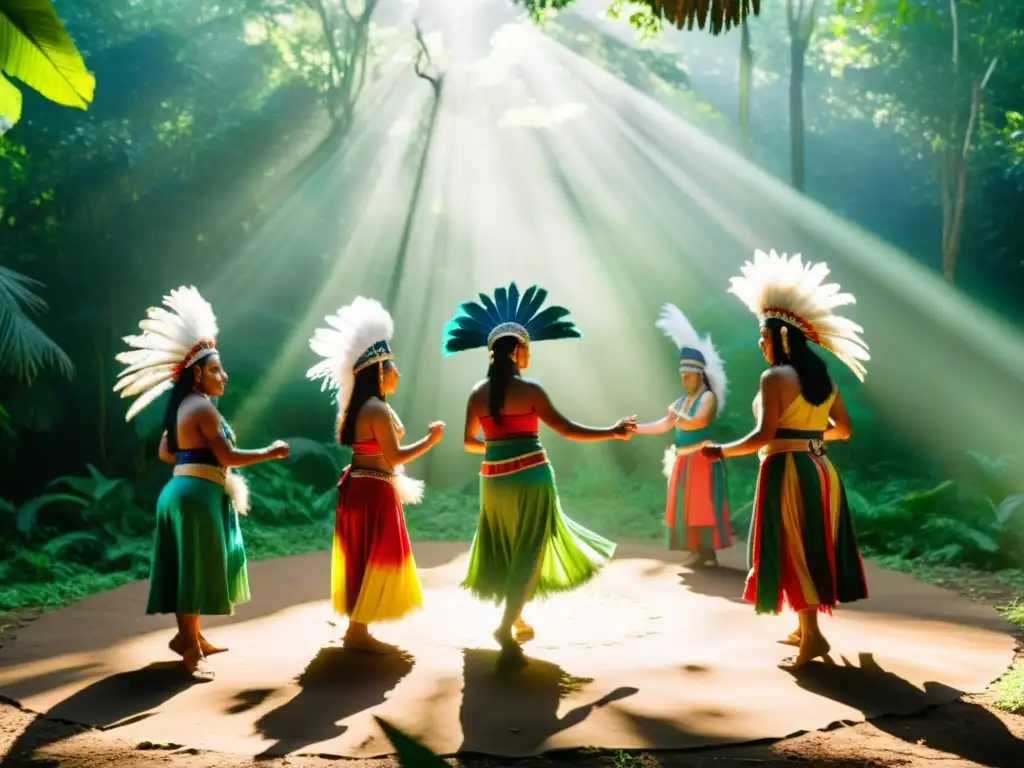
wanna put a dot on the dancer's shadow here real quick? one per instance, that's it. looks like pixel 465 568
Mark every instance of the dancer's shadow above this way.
pixel 716 581
pixel 514 711
pixel 975 734
pixel 336 685
pixel 114 701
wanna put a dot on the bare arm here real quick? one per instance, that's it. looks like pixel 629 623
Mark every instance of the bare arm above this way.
pixel 387 437
pixel 840 425
pixel 767 423
pixel 570 430
pixel 164 451
pixel 659 427
pixel 208 421
pixel 470 435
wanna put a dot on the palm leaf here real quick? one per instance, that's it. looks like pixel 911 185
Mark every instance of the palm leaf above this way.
pixel 36 48
pixel 24 348
pixel 411 753
pixel 28 513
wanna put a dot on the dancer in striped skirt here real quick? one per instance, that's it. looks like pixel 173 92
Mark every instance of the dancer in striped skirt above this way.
pixel 373 573
pixel 802 548
pixel 697 509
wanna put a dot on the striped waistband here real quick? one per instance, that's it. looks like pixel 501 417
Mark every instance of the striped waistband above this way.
pixel 218 475
pixel 511 466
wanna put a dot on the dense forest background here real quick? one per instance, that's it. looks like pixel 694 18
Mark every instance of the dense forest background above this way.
pixel 231 143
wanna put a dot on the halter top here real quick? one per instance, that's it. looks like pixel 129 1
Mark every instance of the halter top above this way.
pixel 687 437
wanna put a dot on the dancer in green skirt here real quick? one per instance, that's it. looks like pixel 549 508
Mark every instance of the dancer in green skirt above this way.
pixel 525 547
pixel 199 566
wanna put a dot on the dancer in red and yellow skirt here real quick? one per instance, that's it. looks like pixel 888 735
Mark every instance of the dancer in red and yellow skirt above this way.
pixel 802 549
pixel 373 572
pixel 697 508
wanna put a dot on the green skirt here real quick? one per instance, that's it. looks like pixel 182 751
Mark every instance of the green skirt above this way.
pixel 198 553
pixel 524 544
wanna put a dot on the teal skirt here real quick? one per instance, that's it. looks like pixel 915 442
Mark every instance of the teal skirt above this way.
pixel 199 564
pixel 524 544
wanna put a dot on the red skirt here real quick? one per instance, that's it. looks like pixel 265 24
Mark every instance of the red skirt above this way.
pixel 373 572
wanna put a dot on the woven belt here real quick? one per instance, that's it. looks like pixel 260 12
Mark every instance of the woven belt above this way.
pixel 510 466
pixel 218 475
pixel 373 474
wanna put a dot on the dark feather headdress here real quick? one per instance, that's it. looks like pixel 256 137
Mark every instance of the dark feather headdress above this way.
pixel 478 325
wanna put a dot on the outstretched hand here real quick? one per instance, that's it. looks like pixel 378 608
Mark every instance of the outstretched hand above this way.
pixel 712 451
pixel 279 449
pixel 624 428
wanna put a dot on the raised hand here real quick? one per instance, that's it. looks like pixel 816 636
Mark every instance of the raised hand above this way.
pixel 436 430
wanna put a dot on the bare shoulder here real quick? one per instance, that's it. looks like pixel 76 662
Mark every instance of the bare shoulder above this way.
pixel 197 407
pixel 375 408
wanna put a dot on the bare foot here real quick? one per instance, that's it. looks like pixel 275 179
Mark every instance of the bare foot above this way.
pixel 522 632
pixel 197 665
pixel 811 648
pixel 792 639
pixel 177 645
pixel 369 644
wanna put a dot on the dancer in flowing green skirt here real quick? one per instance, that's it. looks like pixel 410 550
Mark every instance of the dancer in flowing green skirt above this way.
pixel 525 546
pixel 199 566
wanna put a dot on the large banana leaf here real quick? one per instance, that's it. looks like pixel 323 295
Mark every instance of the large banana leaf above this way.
pixel 36 49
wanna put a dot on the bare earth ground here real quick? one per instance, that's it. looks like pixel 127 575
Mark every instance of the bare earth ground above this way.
pixel 963 734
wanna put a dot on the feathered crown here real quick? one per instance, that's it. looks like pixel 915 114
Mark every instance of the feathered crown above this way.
pixel 173 339
pixel 358 336
pixel 480 325
pixel 695 354
pixel 787 289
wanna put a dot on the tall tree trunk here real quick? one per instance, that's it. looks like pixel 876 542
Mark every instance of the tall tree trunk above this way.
pixel 955 158
pixel 802 21
pixel 746 78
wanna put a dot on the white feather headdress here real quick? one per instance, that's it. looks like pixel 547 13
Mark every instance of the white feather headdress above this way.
pixel 674 324
pixel 358 336
pixel 172 340
pixel 785 288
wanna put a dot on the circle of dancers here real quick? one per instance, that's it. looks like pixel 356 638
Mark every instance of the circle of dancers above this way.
pixel 802 550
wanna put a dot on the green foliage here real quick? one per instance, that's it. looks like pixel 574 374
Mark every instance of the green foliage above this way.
pixel 24 349
pixel 410 752
pixel 36 49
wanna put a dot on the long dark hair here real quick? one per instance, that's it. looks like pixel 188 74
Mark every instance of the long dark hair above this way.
pixel 183 387
pixel 367 385
pixel 499 373
pixel 815 382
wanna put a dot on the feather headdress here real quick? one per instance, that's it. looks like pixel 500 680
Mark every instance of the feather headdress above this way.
pixel 695 354
pixel 477 325
pixel 357 337
pixel 785 288
pixel 173 339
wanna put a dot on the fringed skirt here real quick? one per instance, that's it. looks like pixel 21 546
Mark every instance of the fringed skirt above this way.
pixel 199 564
pixel 697 510
pixel 373 573
pixel 802 550
pixel 524 544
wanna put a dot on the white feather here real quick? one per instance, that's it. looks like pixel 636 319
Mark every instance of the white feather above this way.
pixel 674 324
pixel 168 336
pixel 410 490
pixel 238 491
pixel 777 280
pixel 668 462
pixel 353 329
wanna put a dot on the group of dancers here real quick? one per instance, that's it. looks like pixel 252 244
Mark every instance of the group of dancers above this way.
pixel 802 550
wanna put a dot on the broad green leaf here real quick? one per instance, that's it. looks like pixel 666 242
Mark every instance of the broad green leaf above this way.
pixel 36 48
pixel 10 101
pixel 411 753
pixel 28 513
